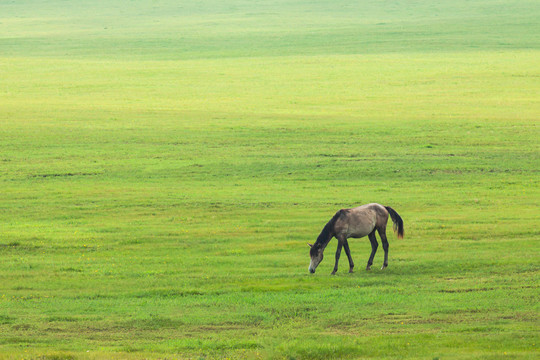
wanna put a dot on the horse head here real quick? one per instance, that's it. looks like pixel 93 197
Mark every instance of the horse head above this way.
pixel 316 255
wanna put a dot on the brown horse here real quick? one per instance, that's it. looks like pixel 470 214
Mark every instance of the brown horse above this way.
pixel 356 223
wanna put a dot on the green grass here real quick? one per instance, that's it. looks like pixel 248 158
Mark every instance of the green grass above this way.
pixel 163 165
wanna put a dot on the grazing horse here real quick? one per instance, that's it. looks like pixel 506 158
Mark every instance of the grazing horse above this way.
pixel 356 223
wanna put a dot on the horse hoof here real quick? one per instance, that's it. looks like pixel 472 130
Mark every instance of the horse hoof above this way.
pixel 333 273
pixel 368 268
pixel 351 271
pixel 384 267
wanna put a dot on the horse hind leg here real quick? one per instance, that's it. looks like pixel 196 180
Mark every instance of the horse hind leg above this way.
pixel 374 246
pixel 382 234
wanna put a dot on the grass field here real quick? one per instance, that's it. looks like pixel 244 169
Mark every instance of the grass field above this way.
pixel 164 163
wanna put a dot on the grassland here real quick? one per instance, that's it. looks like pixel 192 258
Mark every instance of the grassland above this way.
pixel 163 164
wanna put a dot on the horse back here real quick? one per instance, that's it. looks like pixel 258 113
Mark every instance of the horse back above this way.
pixel 360 221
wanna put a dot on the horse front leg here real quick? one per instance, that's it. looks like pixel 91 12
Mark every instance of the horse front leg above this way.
pixel 338 254
pixel 348 252
pixel 374 246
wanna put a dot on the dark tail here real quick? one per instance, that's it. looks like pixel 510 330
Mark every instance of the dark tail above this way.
pixel 397 220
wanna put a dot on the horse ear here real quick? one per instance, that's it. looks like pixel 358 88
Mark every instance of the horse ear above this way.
pixel 310 245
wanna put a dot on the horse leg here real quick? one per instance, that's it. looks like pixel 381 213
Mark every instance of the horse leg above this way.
pixel 348 252
pixel 338 253
pixel 374 246
pixel 382 234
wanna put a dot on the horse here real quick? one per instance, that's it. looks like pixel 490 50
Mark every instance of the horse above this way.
pixel 356 223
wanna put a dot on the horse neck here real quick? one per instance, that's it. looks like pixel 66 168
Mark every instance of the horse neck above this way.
pixel 324 239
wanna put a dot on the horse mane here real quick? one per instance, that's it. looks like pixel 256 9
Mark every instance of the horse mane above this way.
pixel 327 232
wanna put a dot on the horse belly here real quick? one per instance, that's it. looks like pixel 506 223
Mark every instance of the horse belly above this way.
pixel 360 232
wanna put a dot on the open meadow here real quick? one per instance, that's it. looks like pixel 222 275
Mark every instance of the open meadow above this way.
pixel 164 163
